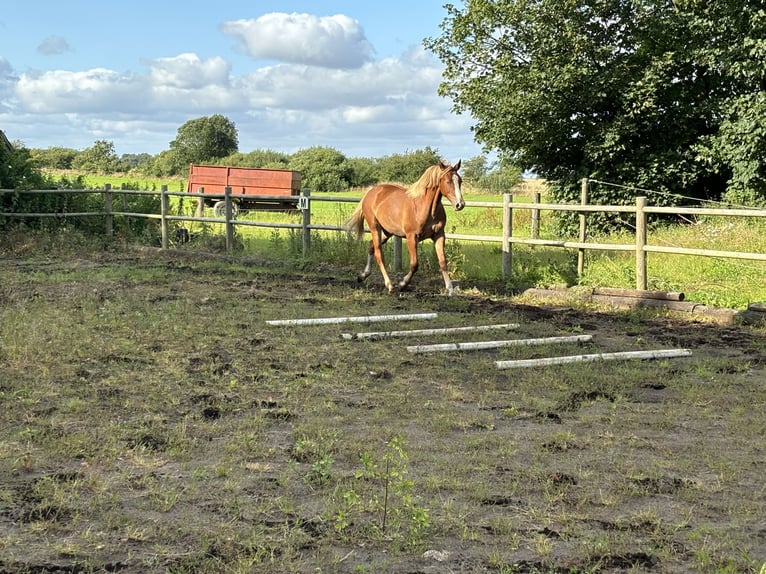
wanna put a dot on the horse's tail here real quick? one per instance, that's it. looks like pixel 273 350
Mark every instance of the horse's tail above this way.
pixel 355 223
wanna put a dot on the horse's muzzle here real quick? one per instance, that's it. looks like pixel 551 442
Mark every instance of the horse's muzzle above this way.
pixel 459 205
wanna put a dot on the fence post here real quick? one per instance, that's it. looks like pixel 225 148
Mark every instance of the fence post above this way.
pixel 583 230
pixel 641 282
pixel 306 232
pixel 229 214
pixel 507 233
pixel 164 210
pixel 201 202
pixel 109 223
pixel 125 204
pixel 536 217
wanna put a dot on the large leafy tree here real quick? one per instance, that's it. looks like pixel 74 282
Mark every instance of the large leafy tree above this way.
pixel 100 157
pixel 261 158
pixel 54 157
pixel 407 167
pixel 322 168
pixel 652 93
pixel 204 139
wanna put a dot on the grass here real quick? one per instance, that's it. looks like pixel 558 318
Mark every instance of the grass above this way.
pixel 153 422
pixel 710 281
pixel 715 282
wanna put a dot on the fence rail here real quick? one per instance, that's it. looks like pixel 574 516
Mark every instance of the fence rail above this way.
pixel 303 203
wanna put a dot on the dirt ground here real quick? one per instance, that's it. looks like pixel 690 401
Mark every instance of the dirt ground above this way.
pixel 153 421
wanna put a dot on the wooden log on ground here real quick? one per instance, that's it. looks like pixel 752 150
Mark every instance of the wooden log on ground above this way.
pixel 361 319
pixel 640 293
pixel 637 302
pixel 623 355
pixel 427 332
pixel 482 345
pixel 579 294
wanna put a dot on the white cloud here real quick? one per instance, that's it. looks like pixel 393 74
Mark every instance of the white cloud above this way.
pixel 53 45
pixel 312 88
pixel 188 71
pixel 181 84
pixel 327 41
pixel 7 84
pixel 95 90
pixel 373 108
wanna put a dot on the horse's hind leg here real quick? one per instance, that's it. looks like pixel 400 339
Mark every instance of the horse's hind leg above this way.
pixel 367 268
pixel 376 252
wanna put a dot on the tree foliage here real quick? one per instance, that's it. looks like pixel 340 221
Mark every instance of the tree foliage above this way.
pixel 130 161
pixel 20 171
pixel 407 167
pixel 99 158
pixel 204 140
pixel 54 157
pixel 322 168
pixel 664 95
pixel 262 158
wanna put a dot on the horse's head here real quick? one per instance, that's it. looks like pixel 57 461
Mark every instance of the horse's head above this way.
pixel 449 184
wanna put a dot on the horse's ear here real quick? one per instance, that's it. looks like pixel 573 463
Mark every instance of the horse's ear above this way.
pixel 457 165
pixel 443 164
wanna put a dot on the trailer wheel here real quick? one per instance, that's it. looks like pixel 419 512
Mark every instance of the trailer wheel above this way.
pixel 219 209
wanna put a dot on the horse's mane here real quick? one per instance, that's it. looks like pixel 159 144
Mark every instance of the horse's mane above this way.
pixel 428 180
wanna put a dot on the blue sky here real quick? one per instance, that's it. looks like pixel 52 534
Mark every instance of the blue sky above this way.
pixel 351 75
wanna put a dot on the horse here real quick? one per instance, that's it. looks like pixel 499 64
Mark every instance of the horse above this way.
pixel 414 213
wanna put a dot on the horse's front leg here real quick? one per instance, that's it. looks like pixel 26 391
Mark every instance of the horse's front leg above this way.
pixel 439 241
pixel 412 248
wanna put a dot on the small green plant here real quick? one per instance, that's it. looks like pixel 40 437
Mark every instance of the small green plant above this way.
pixel 316 447
pixel 382 489
pixel 320 472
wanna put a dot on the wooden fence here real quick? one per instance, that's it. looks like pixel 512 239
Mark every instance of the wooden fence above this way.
pixel 303 203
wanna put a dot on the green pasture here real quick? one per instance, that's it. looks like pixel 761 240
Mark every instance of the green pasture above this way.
pixel 711 281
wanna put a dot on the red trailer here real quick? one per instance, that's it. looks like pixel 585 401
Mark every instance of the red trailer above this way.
pixel 264 187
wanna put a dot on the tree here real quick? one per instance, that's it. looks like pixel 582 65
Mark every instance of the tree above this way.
pixel 130 161
pixel 731 37
pixel 632 91
pixel 364 171
pixel 19 171
pixel 322 168
pixel 204 140
pixel 474 168
pixel 54 157
pixel 501 176
pixel 100 157
pixel 408 167
pixel 261 158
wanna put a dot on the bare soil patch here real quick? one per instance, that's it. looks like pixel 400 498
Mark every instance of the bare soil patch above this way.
pixel 153 422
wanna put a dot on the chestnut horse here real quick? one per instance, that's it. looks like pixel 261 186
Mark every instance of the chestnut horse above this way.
pixel 415 213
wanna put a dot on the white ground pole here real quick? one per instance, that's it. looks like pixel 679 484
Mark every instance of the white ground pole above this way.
pixel 623 355
pixel 480 345
pixel 426 332
pixel 361 319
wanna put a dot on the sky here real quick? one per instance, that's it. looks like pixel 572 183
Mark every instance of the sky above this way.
pixel 347 74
